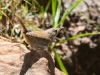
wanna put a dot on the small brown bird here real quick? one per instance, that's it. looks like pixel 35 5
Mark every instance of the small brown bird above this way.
pixel 38 39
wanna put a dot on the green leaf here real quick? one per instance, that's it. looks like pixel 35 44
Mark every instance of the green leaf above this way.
pixel 61 65
pixel 57 16
pixel 54 3
pixel 68 11
pixel 0 15
pixel 79 36
pixel 47 6
pixel 33 27
pixel 83 35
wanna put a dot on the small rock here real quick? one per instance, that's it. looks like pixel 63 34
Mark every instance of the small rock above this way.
pixel 77 42
pixel 85 40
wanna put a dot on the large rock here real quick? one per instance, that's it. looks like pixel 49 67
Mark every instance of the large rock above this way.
pixel 16 59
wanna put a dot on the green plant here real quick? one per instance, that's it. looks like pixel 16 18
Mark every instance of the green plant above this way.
pixel 57 24
pixel 79 36
pixel 66 13
pixel 33 27
pixel 56 12
pixel 42 10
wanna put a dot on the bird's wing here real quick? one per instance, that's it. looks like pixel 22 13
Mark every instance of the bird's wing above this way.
pixel 37 34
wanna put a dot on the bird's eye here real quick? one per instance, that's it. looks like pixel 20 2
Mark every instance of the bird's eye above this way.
pixel 55 31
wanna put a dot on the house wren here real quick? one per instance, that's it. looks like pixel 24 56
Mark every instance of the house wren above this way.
pixel 38 39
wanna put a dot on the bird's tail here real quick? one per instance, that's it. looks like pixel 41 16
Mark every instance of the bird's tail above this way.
pixel 23 28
